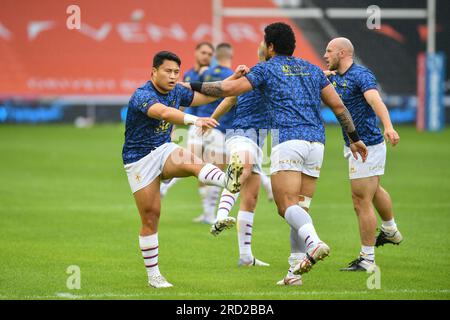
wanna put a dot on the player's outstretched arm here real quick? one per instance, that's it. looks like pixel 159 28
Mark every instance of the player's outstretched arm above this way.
pixel 374 100
pixel 175 116
pixel 223 88
pixel 332 99
pixel 201 99
pixel 224 107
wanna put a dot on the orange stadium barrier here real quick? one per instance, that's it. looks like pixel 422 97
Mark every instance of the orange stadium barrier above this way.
pixel 111 54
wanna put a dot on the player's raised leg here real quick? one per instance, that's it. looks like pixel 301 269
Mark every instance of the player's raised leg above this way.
pixel 389 232
pixel 223 220
pixel 214 153
pixel 363 191
pixel 182 163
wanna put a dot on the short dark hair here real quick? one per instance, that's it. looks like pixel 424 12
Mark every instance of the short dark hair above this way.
pixel 159 58
pixel 204 43
pixel 225 45
pixel 281 36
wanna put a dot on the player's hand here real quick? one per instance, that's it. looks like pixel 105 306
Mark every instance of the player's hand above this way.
pixel 206 123
pixel 391 136
pixel 329 73
pixel 240 71
pixel 359 147
pixel 202 69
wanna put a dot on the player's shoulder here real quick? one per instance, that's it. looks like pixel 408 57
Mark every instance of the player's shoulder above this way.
pixel 143 93
pixel 358 69
pixel 190 75
pixel 308 65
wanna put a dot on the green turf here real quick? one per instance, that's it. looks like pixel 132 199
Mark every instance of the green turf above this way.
pixel 65 200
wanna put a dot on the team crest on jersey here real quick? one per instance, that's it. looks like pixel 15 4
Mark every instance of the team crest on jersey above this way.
pixel 294 70
pixel 163 127
pixel 285 69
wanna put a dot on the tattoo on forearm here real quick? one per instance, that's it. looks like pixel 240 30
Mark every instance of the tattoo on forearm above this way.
pixel 346 121
pixel 213 89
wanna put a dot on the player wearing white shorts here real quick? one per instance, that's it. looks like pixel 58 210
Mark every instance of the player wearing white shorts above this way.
pixel 358 89
pixel 212 143
pixel 149 156
pixel 245 138
pixel 293 89
pixel 203 54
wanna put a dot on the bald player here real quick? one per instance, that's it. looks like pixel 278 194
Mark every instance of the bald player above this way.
pixel 357 87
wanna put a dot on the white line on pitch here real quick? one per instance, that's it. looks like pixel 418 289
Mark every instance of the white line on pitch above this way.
pixel 218 294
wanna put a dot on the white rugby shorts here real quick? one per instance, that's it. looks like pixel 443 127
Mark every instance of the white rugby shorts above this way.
pixel 142 172
pixel 240 144
pixel 297 155
pixel 374 165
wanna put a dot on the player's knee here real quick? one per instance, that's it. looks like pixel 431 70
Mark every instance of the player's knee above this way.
pixel 150 216
pixel 248 203
pixel 360 203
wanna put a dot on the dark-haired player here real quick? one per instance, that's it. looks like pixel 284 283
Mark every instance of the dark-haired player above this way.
pixel 293 89
pixel 149 156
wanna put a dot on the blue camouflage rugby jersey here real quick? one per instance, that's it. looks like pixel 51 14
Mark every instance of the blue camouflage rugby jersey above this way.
pixel 218 73
pixel 291 88
pixel 251 117
pixel 142 133
pixel 351 87
pixel 191 76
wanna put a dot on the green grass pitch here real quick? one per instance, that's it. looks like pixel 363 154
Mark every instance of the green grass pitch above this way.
pixel 65 200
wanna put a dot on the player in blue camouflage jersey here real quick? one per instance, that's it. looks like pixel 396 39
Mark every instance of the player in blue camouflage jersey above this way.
pixel 357 87
pixel 246 138
pixel 149 156
pixel 212 144
pixel 293 89
pixel 203 54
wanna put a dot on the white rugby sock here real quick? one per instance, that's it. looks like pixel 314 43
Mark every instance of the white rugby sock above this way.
pixel 212 195
pixel 293 260
pixel 149 249
pixel 301 221
pixel 227 201
pixel 368 253
pixel 389 224
pixel 166 186
pixel 265 180
pixel 244 228
pixel 202 191
pixel 297 245
pixel 212 176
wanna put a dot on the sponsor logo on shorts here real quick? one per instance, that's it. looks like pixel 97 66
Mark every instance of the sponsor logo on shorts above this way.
pixel 290 161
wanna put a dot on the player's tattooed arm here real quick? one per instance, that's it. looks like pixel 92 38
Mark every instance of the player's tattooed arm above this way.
pixel 223 88
pixel 346 121
pixel 213 89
